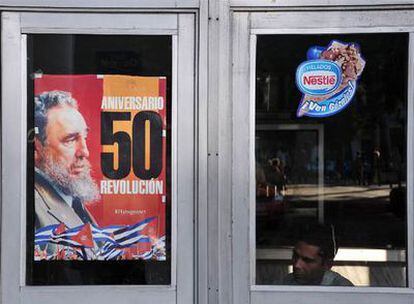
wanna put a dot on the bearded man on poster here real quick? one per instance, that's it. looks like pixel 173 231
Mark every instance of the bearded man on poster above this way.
pixel 63 182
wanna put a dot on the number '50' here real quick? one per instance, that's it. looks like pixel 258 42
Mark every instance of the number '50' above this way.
pixel 108 137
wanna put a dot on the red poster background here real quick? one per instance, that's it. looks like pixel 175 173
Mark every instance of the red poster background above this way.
pixel 88 90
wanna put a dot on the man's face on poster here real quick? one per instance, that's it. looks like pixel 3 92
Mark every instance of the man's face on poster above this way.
pixel 64 154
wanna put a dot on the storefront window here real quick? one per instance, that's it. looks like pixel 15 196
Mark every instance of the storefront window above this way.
pixel 330 148
pixel 99 160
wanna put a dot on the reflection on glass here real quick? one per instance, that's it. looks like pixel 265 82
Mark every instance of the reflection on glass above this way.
pixel 99 165
pixel 331 191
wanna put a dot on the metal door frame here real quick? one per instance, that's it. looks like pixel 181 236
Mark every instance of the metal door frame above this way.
pixel 246 25
pixel 15 27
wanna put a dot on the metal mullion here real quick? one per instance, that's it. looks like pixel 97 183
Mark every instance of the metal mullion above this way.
pixel 410 163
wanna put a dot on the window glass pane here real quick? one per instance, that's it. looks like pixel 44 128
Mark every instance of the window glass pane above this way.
pixel 99 160
pixel 331 182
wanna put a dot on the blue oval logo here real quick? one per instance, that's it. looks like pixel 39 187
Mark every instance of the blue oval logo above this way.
pixel 318 77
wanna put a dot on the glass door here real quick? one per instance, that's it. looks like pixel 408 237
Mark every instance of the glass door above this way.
pixel 324 160
pixel 100 183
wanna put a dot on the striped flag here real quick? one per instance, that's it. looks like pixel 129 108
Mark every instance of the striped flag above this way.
pixel 130 235
pixel 89 242
pixel 109 252
pixel 43 235
pixel 104 234
pixel 80 236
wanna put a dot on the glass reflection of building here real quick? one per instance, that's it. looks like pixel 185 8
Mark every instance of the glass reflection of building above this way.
pixel 362 151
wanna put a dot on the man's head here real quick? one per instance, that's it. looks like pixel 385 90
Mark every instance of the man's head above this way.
pixel 276 162
pixel 60 144
pixel 313 255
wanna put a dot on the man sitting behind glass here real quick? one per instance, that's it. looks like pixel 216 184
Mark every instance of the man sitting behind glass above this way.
pixel 312 260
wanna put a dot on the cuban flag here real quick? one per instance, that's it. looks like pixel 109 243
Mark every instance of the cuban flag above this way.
pixel 84 237
pixel 130 235
pixel 80 236
pixel 122 238
pixel 109 252
pixel 44 235
pixel 92 242
pixel 104 234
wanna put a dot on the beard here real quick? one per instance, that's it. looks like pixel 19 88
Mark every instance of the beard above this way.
pixel 81 186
